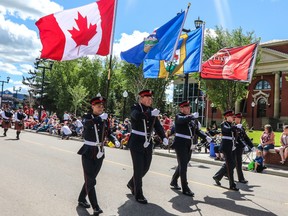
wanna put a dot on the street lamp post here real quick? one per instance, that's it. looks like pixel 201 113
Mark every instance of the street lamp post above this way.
pixel 252 105
pixel 16 95
pixel 42 63
pixel 212 112
pixel 125 95
pixel 3 81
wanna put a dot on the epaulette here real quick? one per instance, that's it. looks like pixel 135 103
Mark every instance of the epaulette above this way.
pixel 87 116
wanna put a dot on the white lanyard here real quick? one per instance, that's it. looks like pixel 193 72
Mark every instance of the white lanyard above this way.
pixel 147 142
pixel 100 151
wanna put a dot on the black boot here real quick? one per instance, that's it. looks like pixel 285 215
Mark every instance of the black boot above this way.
pixel 97 211
pixel 5 130
pixel 17 135
pixel 186 191
pixel 175 186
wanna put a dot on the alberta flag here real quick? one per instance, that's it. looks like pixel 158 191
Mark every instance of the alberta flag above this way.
pixel 158 45
pixel 187 58
pixel 77 32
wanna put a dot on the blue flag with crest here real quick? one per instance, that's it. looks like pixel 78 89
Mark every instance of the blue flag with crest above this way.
pixel 187 58
pixel 158 45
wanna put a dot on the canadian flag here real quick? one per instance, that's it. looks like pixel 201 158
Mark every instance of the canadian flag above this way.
pixel 77 32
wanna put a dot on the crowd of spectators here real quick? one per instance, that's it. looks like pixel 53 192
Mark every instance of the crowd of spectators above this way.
pixel 69 125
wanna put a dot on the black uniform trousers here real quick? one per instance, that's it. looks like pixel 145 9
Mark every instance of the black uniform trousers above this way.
pixel 141 164
pixel 91 169
pixel 183 153
pixel 237 156
pixel 238 162
pixel 227 167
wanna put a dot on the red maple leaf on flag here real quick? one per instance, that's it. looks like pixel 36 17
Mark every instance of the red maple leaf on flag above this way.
pixel 84 34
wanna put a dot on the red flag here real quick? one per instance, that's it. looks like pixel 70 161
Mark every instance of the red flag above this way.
pixel 77 32
pixel 235 63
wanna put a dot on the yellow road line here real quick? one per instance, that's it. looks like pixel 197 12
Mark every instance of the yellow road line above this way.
pixel 165 175
pixel 125 165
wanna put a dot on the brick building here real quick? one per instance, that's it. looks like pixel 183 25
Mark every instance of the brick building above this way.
pixel 267 102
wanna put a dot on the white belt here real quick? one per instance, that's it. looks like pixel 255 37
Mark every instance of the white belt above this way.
pixel 227 138
pixel 183 136
pixel 141 133
pixel 86 142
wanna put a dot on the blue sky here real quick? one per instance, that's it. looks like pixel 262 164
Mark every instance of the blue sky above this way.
pixel 20 44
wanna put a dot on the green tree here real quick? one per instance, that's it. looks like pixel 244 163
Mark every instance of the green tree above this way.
pixel 224 93
pixel 135 82
pixel 78 94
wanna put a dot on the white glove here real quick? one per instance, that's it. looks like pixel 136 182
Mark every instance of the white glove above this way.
pixel 117 144
pixel 104 116
pixel 209 139
pixel 155 112
pixel 165 142
pixel 195 115
pixel 239 126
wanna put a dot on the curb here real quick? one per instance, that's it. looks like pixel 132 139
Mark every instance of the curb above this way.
pixel 212 162
pixel 283 173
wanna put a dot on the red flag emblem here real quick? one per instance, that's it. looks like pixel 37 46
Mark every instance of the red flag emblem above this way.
pixel 235 63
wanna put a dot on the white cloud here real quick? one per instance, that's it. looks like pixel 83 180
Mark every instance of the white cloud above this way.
pixel 24 68
pixel 9 68
pixel 18 43
pixel 128 41
pixel 210 32
pixel 30 9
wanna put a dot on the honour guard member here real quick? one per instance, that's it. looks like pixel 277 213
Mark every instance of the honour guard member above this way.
pixel 242 141
pixel 96 127
pixel 186 127
pixel 144 120
pixel 19 117
pixel 227 146
pixel 6 115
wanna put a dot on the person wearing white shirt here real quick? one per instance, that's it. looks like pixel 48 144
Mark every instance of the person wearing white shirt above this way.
pixel 65 131
pixel 78 124
pixel 6 115
pixel 66 116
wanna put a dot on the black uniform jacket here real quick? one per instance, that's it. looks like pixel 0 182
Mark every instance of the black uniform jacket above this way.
pixel 21 116
pixel 242 139
pixel 227 130
pixel 183 125
pixel 136 142
pixel 90 135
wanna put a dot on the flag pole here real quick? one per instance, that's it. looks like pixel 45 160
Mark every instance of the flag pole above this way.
pixel 245 102
pixel 176 44
pixel 200 69
pixel 111 51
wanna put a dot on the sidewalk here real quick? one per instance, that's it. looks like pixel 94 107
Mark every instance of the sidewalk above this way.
pixel 205 158
pixel 200 157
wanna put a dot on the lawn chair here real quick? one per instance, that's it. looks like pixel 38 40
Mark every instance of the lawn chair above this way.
pixel 247 154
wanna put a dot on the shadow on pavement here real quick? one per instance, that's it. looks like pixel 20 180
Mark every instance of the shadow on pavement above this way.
pixel 230 205
pixel 11 139
pixel 82 211
pixel 184 203
pixel 132 208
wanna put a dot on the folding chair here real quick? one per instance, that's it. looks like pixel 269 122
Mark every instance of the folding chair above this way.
pixel 247 154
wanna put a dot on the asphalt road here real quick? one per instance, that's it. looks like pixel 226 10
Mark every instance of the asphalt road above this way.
pixel 42 175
